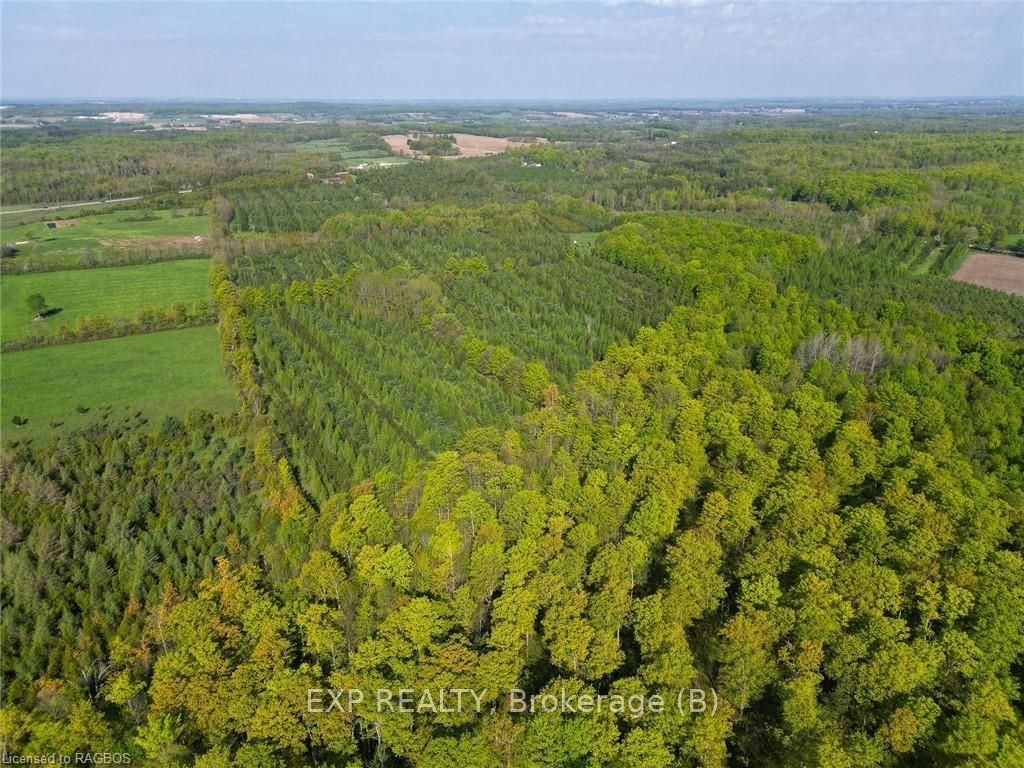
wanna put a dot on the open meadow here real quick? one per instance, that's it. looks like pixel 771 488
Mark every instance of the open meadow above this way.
pixel 112 292
pixel 37 243
pixel 161 374
pixel 346 155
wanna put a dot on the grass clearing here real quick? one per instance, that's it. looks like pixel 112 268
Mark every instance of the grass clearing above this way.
pixel 338 148
pixel 383 162
pixel 113 292
pixel 104 230
pixel 161 374
pixel 925 264
pixel 585 238
pixel 346 155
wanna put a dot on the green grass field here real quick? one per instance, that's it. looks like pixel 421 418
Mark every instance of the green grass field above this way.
pixel 337 147
pixel 586 239
pixel 99 231
pixel 158 373
pixel 348 157
pixel 383 162
pixel 109 291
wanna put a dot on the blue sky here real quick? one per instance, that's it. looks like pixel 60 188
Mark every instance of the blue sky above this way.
pixel 521 50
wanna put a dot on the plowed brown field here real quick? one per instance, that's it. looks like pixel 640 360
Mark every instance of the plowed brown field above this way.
pixel 469 144
pixel 998 271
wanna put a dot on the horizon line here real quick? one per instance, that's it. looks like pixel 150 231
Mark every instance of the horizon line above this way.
pixel 45 100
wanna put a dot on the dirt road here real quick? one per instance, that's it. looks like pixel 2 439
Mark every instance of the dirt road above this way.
pixel 72 205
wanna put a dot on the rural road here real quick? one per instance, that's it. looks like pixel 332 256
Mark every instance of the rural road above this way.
pixel 72 205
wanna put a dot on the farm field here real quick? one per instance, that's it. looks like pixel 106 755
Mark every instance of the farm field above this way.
pixel 334 146
pixel 113 292
pixel 346 155
pixel 998 271
pixel 160 374
pixel 469 144
pixel 106 230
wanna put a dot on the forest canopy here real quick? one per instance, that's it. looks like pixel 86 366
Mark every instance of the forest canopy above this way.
pixel 633 413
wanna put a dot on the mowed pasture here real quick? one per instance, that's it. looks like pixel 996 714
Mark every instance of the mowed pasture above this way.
pixel 999 271
pixel 119 230
pixel 111 292
pixel 160 374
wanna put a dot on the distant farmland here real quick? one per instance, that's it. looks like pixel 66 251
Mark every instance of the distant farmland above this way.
pixel 999 271
pixel 469 144
pixel 347 157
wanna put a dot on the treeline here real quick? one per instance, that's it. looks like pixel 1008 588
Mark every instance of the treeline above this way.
pixel 377 365
pixel 93 327
pixel 107 258
pixel 236 339
pixel 442 145
pixel 787 535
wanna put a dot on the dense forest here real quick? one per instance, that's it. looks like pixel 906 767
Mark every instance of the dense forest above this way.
pixel 645 409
